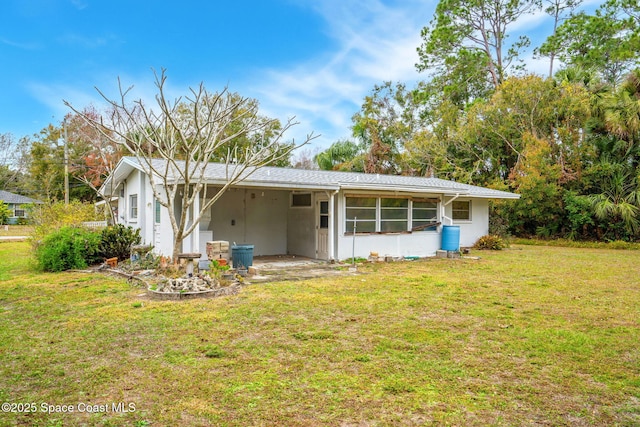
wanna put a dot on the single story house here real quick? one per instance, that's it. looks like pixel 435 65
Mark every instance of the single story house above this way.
pixel 318 214
pixel 17 205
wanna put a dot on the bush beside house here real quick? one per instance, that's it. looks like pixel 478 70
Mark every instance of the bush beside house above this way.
pixel 76 247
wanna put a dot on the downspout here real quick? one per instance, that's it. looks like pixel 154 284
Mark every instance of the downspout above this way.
pixel 443 209
pixel 332 223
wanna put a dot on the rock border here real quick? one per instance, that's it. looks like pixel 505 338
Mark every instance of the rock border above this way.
pixel 173 296
pixel 213 293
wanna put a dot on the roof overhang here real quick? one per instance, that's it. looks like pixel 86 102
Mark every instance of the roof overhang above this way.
pixel 308 182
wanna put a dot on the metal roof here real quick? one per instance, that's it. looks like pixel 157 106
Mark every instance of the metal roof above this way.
pixel 301 179
pixel 16 199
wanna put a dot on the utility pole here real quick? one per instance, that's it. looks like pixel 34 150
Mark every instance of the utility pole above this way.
pixel 66 163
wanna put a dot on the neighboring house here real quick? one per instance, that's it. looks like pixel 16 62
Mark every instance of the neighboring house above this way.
pixel 312 213
pixel 17 205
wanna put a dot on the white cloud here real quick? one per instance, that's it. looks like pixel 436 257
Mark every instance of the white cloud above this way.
pixel 375 42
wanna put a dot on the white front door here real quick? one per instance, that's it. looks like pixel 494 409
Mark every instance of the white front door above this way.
pixel 322 227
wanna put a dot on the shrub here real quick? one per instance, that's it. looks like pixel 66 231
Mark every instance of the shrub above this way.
pixel 116 241
pixel 490 242
pixel 68 248
pixel 5 213
pixel 51 217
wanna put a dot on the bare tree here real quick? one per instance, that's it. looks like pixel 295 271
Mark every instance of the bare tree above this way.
pixel 185 133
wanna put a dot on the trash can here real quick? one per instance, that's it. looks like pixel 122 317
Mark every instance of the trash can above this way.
pixel 242 256
pixel 450 237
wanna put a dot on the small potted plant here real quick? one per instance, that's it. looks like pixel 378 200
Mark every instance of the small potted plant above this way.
pixel 220 269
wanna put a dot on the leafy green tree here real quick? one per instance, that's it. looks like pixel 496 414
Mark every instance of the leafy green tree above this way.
pixel 578 210
pixel 46 164
pixel 618 203
pixel 621 111
pixel 383 125
pixel 489 143
pixel 343 155
pixel 558 10
pixel 607 41
pixel 537 178
pixel 474 29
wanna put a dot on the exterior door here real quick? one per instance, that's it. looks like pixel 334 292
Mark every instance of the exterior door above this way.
pixel 322 227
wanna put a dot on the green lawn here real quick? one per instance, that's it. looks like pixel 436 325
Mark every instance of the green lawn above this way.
pixel 534 335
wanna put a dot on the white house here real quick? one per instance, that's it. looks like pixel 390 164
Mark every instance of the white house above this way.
pixel 312 213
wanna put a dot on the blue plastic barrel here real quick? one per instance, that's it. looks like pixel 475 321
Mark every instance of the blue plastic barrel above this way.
pixel 242 256
pixel 450 237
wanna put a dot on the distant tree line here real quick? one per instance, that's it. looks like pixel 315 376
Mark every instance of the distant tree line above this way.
pixel 568 142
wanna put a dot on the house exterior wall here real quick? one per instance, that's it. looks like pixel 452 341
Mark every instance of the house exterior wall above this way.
pixel 252 216
pixel 138 184
pixel 417 243
pixel 478 226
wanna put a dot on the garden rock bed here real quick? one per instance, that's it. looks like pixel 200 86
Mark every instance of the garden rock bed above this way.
pixel 174 288
pixel 200 286
pixel 188 284
pixel 210 293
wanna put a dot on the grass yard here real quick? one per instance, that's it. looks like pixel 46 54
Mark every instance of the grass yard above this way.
pixel 534 336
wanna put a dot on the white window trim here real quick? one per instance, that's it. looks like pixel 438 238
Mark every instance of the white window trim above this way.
pixel 132 217
pixel 463 221
pixel 378 217
pixel 433 229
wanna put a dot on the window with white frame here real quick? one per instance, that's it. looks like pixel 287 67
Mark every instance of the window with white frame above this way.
pixel 424 212
pixel 361 211
pixel 394 215
pixel 133 206
pixel 389 214
pixel 461 210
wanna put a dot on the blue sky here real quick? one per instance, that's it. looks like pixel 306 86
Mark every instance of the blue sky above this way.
pixel 315 60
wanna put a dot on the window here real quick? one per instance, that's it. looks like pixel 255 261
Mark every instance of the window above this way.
pixel 461 210
pixel 394 215
pixel 424 212
pixel 301 200
pixel 158 208
pixel 20 213
pixel 361 212
pixel 324 214
pixel 389 214
pixel 133 206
